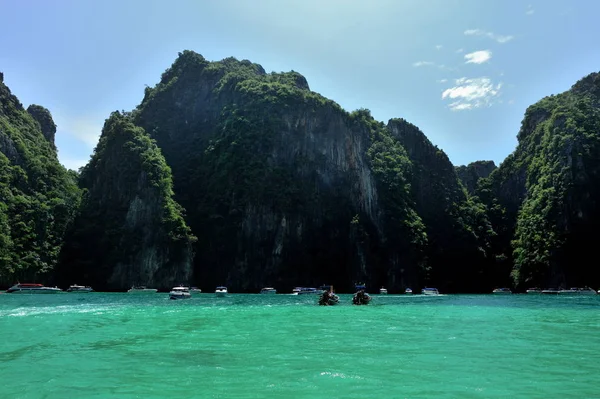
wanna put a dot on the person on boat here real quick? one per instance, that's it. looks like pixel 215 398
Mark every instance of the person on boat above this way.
pixel 326 297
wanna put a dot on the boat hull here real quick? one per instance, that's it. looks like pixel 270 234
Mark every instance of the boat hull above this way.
pixel 36 291
pixel 180 295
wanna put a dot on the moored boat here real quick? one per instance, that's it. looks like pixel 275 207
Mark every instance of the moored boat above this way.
pixel 408 291
pixel 306 291
pixel 383 291
pixel 141 289
pixel 195 289
pixel 268 290
pixel 221 291
pixel 80 288
pixel 502 291
pixel 180 292
pixel 361 298
pixel 32 289
pixel 328 298
pixel 430 291
pixel 569 291
pixel 587 291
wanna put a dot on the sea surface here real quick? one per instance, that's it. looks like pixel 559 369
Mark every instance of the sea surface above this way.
pixel 282 346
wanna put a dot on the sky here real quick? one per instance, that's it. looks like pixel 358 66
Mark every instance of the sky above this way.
pixel 463 71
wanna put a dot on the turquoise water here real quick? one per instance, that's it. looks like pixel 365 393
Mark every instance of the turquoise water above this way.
pixel 275 346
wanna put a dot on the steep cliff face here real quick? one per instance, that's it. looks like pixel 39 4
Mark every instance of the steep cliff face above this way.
pixel 38 197
pixel 457 227
pixel 546 192
pixel 278 182
pixel 129 230
pixel 44 118
pixel 470 174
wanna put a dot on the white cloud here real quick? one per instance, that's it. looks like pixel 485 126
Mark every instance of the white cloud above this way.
pixel 530 10
pixel 74 164
pixel 478 57
pixel 438 47
pixel 423 63
pixel 491 35
pixel 442 80
pixel 471 93
pixel 460 50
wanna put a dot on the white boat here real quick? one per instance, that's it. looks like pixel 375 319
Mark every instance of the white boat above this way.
pixel 587 291
pixel 578 291
pixel 221 291
pixel 80 288
pixel 195 289
pixel 140 289
pixel 32 289
pixel 306 291
pixel 180 293
pixel 430 291
pixel 408 291
pixel 502 291
pixel 268 290
pixel 571 291
pixel 383 291
pixel 534 290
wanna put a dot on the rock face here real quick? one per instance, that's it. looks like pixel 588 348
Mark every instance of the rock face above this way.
pixel 129 230
pixel 44 118
pixel 470 174
pixel 38 197
pixel 544 196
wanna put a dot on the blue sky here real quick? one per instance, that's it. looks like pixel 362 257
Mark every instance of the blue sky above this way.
pixel 464 71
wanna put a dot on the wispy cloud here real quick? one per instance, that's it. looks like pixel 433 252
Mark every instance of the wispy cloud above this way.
pixel 530 10
pixel 471 93
pixel 460 50
pixel 438 47
pixel 85 129
pixel 478 57
pixel 442 80
pixel 491 35
pixel 423 63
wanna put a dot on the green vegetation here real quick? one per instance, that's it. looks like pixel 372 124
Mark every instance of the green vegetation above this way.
pixel 128 230
pixel 38 197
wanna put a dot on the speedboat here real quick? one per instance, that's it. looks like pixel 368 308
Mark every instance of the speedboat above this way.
pixel 534 290
pixel 430 291
pixel 180 293
pixel 502 291
pixel 268 290
pixel 587 291
pixel 550 291
pixel 383 291
pixel 32 289
pixel 79 288
pixel 408 291
pixel 306 291
pixel 221 291
pixel 141 289
pixel 195 289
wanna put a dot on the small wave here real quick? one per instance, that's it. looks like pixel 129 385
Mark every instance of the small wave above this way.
pixel 341 375
pixel 66 309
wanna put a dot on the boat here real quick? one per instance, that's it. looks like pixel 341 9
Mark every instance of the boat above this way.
pixel 383 291
pixel 430 291
pixel 268 290
pixel 361 298
pixel 141 289
pixel 502 291
pixel 408 291
pixel 32 289
pixel 550 291
pixel 306 291
pixel 534 290
pixel 195 289
pixel 587 291
pixel 80 288
pixel 328 297
pixel 180 292
pixel 221 291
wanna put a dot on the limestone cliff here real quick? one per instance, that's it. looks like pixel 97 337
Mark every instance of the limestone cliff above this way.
pixel 470 174
pixel 129 231
pixel 44 118
pixel 38 197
